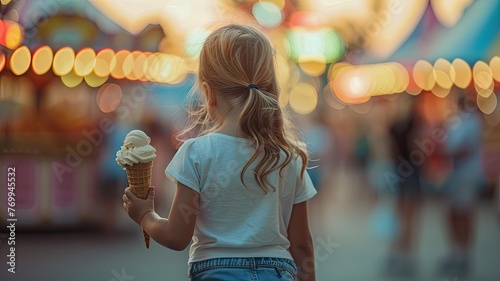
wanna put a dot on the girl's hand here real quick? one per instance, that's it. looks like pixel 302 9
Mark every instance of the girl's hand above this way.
pixel 136 207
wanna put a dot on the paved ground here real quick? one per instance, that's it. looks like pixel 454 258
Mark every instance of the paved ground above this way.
pixel 350 229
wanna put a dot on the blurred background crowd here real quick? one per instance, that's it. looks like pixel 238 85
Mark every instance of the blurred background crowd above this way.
pixel 396 100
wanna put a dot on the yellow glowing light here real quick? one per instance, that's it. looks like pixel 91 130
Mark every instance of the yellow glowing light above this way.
pixel 294 76
pixel 84 62
pixel 13 36
pixel 71 80
pixel 117 62
pixel 303 98
pixel 357 83
pixel 138 66
pixel 2 61
pixel 20 60
pixel 108 97
pixel 170 69
pixel 483 78
pixel 282 70
pixel 94 81
pixel 64 60
pixel 485 93
pixel 463 74
pixel 402 77
pixel 42 60
pixel 335 68
pixel 351 86
pixel 128 65
pixel 444 74
pixel 386 80
pixel 133 66
pixel 439 91
pixel 423 75
pixel 102 62
pixel 283 98
pixel 495 68
pixel 487 105
pixel 148 66
pixel 312 66
pixel 5 2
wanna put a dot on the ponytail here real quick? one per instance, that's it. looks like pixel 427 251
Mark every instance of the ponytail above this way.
pixel 263 121
pixel 232 57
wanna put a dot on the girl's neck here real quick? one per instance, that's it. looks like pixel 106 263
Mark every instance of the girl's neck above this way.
pixel 230 127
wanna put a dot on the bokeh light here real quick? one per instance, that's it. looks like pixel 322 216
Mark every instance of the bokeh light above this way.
pixel 117 63
pixel 325 43
pixel 439 91
pixel 20 60
pixel 463 73
pixel 94 81
pixel 128 65
pixel 483 78
pixel 487 104
pixel 303 98
pixel 13 35
pixel 495 68
pixel 282 70
pixel 444 73
pixel 283 98
pixel 102 62
pixel 423 75
pixel 71 80
pixel 352 84
pixel 2 61
pixel 312 66
pixel 42 60
pixel 108 97
pixel 64 60
pixel 84 62
pixel 267 13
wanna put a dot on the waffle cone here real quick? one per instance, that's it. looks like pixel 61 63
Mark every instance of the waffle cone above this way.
pixel 139 181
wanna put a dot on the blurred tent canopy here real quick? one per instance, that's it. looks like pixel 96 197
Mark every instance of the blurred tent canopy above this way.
pixel 472 38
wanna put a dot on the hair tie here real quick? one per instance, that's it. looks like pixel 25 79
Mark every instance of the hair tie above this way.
pixel 252 85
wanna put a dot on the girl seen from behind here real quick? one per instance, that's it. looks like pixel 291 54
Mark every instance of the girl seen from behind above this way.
pixel 242 185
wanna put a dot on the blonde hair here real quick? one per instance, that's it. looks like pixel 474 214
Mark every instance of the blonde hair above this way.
pixel 232 58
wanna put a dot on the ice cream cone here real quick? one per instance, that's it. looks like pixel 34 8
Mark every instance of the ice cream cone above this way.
pixel 139 181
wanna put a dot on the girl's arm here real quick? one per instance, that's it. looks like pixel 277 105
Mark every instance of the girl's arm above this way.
pixel 301 243
pixel 177 231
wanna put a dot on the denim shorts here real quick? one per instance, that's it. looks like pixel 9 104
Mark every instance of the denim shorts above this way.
pixel 235 269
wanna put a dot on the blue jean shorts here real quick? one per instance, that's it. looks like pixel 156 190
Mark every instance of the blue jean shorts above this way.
pixel 244 269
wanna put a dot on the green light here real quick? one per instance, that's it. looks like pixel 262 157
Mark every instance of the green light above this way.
pixel 324 42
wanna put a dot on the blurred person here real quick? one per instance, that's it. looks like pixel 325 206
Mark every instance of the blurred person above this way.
pixel 406 183
pixel 242 184
pixel 463 147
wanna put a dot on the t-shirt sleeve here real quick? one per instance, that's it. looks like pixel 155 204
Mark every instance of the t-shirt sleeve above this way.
pixel 185 166
pixel 304 189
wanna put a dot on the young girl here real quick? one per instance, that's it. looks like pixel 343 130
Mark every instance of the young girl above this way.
pixel 242 185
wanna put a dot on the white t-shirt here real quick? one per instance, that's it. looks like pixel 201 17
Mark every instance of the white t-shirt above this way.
pixel 235 221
